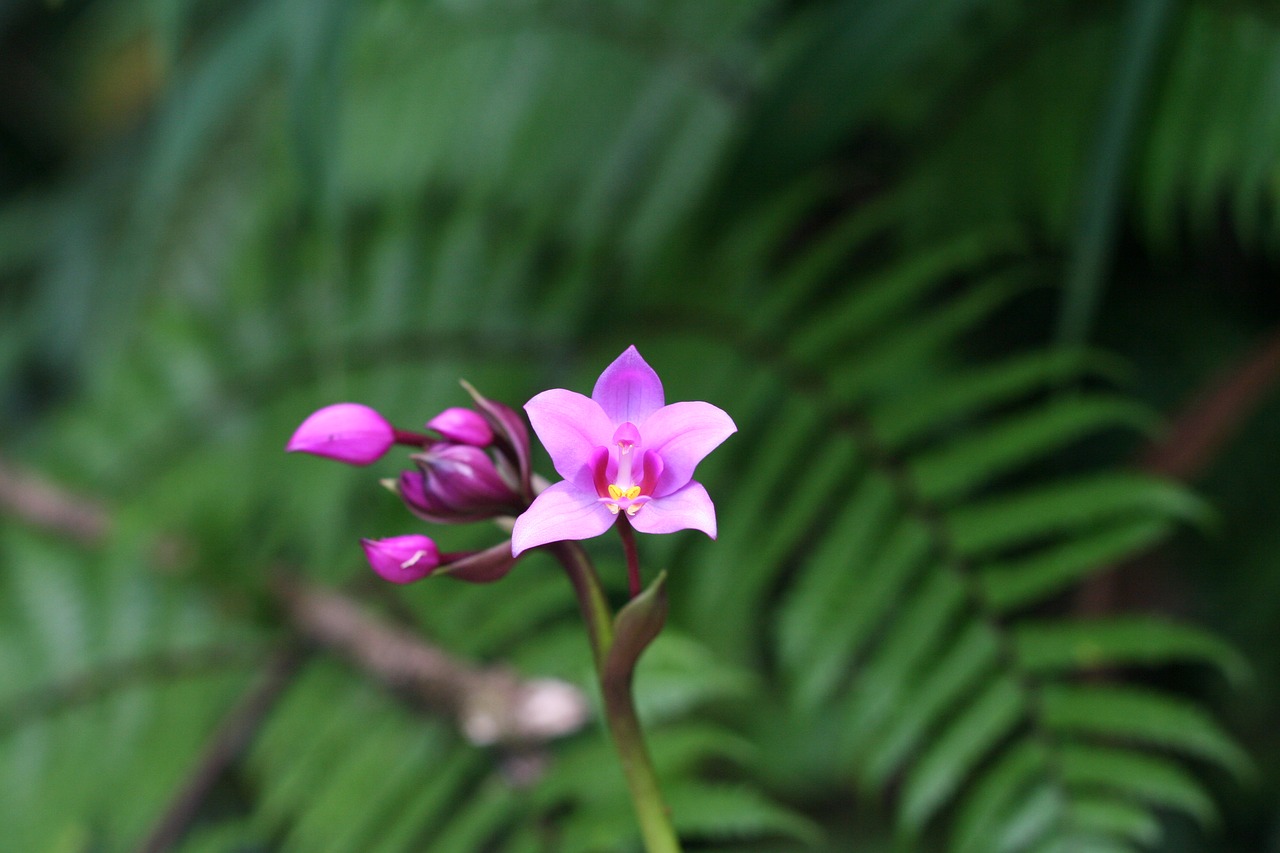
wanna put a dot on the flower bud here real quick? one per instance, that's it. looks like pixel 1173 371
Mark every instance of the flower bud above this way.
pixel 510 438
pixel 462 425
pixel 402 559
pixel 456 483
pixel 347 432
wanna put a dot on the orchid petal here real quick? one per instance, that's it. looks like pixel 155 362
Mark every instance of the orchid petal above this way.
pixel 683 434
pixel 571 426
pixel 594 476
pixel 348 432
pixel 628 389
pixel 562 511
pixel 689 508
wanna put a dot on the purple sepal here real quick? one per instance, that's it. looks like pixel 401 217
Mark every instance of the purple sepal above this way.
pixel 348 432
pixel 628 390
pixel 509 433
pixel 402 559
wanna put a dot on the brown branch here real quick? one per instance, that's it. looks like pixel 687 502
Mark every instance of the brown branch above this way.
pixel 35 501
pixel 1215 414
pixel 1198 433
pixel 491 705
pixel 232 738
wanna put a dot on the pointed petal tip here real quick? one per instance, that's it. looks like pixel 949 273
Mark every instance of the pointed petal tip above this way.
pixel 629 389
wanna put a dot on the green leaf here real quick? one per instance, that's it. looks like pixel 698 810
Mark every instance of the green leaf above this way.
pixel 993 795
pixel 1018 582
pixel 880 300
pixel 1145 26
pixel 1110 817
pixel 1033 817
pixel 818 599
pixel 1141 777
pixel 854 372
pixel 941 770
pixel 1142 716
pixel 937 691
pixel 920 632
pixel 1083 841
pixel 1066 507
pixel 637 624
pixel 723 812
pixel 888 570
pixel 963 466
pixel 1051 647
pixel 965 394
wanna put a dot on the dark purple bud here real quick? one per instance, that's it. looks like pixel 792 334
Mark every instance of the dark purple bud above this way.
pixel 510 436
pixel 412 488
pixel 457 483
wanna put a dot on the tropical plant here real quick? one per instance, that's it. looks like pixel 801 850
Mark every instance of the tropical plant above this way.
pixel 877 233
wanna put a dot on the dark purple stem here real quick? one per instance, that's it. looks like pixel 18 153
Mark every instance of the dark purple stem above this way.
pixel 413 439
pixel 633 557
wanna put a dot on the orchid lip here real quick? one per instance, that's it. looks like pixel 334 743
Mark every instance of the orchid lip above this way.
pixel 624 491
pixel 629 501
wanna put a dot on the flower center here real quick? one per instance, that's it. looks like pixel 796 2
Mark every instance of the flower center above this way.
pixel 624 493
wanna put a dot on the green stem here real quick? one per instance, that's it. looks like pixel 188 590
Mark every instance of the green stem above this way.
pixel 619 707
pixel 628 738
pixel 591 598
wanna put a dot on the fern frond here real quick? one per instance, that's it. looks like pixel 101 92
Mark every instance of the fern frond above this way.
pixel 903 579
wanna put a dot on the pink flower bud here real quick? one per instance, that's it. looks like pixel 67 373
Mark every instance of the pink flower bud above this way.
pixel 402 559
pixel 347 432
pixel 462 425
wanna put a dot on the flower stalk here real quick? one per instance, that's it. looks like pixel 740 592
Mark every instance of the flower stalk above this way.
pixel 616 644
pixel 628 537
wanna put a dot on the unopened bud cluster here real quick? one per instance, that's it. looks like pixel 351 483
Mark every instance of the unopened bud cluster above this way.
pixel 471 464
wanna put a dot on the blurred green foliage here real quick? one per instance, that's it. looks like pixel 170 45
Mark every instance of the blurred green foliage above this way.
pixel 948 263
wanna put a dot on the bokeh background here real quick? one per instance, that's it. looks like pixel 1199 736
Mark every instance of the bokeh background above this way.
pixel 988 286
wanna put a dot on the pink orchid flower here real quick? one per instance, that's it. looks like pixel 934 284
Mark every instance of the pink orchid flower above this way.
pixel 622 452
